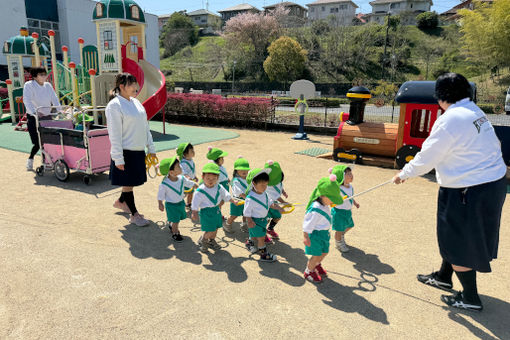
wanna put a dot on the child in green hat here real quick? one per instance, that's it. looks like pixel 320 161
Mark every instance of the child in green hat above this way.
pixel 275 191
pixel 186 152
pixel 239 186
pixel 80 119
pixel 256 208
pixel 171 192
pixel 206 201
pixel 316 226
pixel 342 214
pixel 218 156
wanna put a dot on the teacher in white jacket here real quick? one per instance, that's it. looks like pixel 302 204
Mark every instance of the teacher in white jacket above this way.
pixel 129 134
pixel 466 154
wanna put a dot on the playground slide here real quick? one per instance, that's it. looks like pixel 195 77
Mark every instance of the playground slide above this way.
pixel 152 85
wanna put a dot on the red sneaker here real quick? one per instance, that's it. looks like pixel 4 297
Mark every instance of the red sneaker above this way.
pixel 273 234
pixel 321 271
pixel 268 240
pixel 313 277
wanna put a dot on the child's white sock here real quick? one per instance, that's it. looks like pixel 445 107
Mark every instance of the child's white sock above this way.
pixel 307 270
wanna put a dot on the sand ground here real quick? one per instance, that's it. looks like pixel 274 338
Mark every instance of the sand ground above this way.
pixel 72 267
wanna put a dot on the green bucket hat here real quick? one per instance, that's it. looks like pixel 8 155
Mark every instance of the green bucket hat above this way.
pixel 211 168
pixel 339 171
pixel 166 164
pixel 181 148
pixel 215 153
pixel 241 164
pixel 83 117
pixel 254 173
pixel 275 177
pixel 327 186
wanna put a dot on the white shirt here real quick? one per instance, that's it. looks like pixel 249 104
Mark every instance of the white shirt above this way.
pixel 316 220
pixel 239 186
pixel 176 193
pixel 202 201
pixel 35 95
pixel 462 147
pixel 223 174
pixel 275 191
pixel 349 191
pixel 188 168
pixel 252 208
pixel 128 127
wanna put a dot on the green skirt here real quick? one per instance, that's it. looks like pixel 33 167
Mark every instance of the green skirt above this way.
pixel 319 243
pixel 236 210
pixel 175 212
pixel 273 213
pixel 210 219
pixel 260 227
pixel 342 219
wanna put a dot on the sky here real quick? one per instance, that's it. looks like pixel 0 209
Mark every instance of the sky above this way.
pixel 169 6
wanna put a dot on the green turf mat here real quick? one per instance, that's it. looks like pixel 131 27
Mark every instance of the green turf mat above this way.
pixel 313 152
pixel 20 141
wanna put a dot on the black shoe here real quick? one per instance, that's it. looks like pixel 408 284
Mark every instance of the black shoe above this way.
pixel 434 281
pixel 267 257
pixel 250 245
pixel 457 300
pixel 177 237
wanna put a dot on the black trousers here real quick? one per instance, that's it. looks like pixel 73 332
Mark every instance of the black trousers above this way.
pixel 32 130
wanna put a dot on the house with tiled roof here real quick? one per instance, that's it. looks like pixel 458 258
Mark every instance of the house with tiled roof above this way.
pixel 452 15
pixel 408 10
pixel 233 11
pixel 206 20
pixel 342 11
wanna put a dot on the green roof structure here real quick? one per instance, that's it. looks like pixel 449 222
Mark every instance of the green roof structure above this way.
pixel 118 9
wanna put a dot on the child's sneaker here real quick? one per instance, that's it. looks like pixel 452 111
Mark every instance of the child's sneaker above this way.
pixel 252 248
pixel 267 257
pixel 122 206
pixel 203 245
pixel 313 277
pixel 458 301
pixel 177 237
pixel 273 234
pixel 244 227
pixel 321 271
pixel 268 240
pixel 30 164
pixel 138 220
pixel 228 228
pixel 340 245
pixel 214 245
pixel 435 281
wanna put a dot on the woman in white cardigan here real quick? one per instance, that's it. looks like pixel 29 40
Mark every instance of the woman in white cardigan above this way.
pixel 129 134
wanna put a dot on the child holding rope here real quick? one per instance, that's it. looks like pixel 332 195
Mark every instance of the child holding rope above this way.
pixel 239 187
pixel 186 153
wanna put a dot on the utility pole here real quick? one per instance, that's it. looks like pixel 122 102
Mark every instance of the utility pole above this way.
pixel 388 17
pixel 233 75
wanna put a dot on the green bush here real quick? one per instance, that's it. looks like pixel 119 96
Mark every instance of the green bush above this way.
pixel 427 20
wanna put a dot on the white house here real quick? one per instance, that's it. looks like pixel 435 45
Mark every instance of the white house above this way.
pixel 407 9
pixel 342 11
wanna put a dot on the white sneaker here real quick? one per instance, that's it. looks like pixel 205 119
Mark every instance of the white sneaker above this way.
pixel 30 164
pixel 138 220
pixel 340 245
pixel 228 228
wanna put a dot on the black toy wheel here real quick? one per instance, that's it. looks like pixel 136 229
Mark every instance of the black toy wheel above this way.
pixel 405 154
pixel 87 179
pixel 39 171
pixel 351 156
pixel 61 170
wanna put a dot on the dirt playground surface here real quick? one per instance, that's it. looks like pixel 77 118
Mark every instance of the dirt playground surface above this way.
pixel 72 267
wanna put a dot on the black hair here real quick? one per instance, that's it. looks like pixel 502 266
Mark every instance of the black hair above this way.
pixel 35 71
pixel 283 176
pixel 174 164
pixel 347 169
pixel 262 177
pixel 319 199
pixel 125 79
pixel 452 87
pixel 187 149
pixel 217 160
pixel 234 174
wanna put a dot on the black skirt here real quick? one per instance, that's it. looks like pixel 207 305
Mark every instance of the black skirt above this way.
pixel 468 221
pixel 134 172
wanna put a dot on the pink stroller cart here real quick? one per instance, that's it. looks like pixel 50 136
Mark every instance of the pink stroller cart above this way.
pixel 64 148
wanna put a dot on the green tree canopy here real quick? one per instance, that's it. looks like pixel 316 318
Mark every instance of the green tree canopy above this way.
pixel 178 32
pixel 286 60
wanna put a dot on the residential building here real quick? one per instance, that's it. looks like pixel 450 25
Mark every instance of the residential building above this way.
pixel 206 20
pixel 231 12
pixel 452 15
pixel 406 9
pixel 297 14
pixel 341 12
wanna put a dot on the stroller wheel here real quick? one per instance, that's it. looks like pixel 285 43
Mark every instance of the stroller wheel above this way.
pixel 61 170
pixel 87 179
pixel 39 170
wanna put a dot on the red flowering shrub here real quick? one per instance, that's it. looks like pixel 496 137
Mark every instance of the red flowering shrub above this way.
pixel 218 108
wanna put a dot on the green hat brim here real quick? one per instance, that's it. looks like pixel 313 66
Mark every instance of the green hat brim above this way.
pixel 253 174
pixel 211 168
pixel 214 155
pixel 166 164
pixel 180 149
